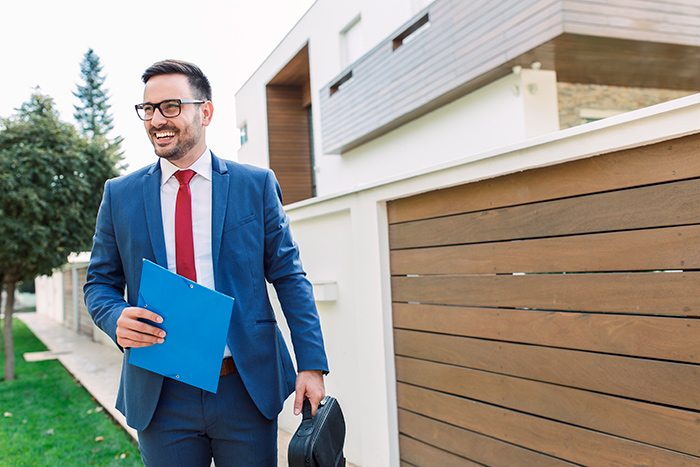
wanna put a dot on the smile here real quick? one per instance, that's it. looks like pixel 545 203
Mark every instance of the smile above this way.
pixel 165 134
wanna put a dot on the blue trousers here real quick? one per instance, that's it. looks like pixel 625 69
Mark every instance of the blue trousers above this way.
pixel 192 426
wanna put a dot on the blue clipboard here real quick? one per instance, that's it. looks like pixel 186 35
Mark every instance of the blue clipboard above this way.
pixel 196 321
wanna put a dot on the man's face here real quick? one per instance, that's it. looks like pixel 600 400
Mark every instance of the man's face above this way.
pixel 181 139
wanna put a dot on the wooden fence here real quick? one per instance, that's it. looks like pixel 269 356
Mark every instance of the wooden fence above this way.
pixel 549 317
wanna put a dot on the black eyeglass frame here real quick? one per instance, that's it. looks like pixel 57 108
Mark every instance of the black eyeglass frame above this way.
pixel 139 107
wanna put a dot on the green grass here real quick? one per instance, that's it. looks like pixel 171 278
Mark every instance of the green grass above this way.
pixel 53 419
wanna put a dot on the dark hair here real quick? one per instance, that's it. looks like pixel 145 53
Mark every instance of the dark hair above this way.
pixel 198 80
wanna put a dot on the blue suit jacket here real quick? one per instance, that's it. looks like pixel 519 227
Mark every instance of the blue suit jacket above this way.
pixel 251 243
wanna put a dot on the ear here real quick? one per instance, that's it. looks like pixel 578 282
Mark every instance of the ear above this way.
pixel 207 110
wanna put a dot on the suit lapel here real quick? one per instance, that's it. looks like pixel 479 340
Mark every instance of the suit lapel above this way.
pixel 154 217
pixel 219 194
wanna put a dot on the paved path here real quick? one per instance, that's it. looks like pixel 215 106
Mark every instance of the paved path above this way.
pixel 96 366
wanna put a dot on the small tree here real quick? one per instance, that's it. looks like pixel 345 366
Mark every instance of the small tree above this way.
pixel 48 198
pixel 93 116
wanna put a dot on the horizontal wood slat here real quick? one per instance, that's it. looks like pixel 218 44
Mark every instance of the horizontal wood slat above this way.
pixel 640 293
pixel 661 426
pixel 667 248
pixel 580 445
pixel 417 453
pixel 661 162
pixel 663 338
pixel 645 380
pixel 480 448
pixel 664 205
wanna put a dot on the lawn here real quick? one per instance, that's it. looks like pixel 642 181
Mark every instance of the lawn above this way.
pixel 47 418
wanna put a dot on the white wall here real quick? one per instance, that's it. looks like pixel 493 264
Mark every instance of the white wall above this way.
pixel 344 238
pixel 511 109
pixel 499 114
pixel 331 260
pixel 339 242
pixel 49 296
pixel 321 28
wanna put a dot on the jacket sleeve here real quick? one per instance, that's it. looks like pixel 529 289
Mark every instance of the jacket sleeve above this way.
pixel 105 284
pixel 283 269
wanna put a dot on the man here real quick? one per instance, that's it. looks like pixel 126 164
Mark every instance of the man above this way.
pixel 235 237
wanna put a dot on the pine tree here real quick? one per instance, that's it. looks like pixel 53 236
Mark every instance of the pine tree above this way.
pixel 93 116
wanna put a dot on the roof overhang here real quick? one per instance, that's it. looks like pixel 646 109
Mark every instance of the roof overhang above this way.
pixel 468 45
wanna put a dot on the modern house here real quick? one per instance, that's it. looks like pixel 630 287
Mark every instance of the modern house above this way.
pixel 498 282
pixel 361 91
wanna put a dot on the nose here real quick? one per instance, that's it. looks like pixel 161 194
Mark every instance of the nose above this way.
pixel 158 118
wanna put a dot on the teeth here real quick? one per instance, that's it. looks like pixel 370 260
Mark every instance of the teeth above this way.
pixel 165 134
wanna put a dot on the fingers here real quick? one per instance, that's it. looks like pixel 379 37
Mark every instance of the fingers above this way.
pixel 309 385
pixel 298 402
pixel 131 332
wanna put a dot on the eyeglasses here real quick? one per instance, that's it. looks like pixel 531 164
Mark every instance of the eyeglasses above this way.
pixel 170 108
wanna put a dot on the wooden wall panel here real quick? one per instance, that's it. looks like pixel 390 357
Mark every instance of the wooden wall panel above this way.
pixel 665 248
pixel 662 426
pixel 553 311
pixel 480 448
pixel 418 453
pixel 649 380
pixel 580 445
pixel 290 142
pixel 643 336
pixel 637 208
pixel 661 162
pixel 673 294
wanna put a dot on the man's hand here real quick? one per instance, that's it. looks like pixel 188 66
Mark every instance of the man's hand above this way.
pixel 309 384
pixel 134 333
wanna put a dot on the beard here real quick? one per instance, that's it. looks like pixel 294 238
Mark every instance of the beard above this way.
pixel 185 140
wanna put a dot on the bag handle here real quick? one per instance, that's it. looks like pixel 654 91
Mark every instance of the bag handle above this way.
pixel 307 425
pixel 306 409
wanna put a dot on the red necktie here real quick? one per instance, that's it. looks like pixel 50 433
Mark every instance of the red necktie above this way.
pixel 184 239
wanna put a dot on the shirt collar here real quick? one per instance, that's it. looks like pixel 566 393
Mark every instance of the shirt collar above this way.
pixel 202 166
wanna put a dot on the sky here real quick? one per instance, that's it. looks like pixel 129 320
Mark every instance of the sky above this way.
pixel 42 43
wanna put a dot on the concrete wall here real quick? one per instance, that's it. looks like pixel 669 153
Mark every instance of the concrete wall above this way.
pixel 50 301
pixel 512 109
pixel 49 296
pixel 343 239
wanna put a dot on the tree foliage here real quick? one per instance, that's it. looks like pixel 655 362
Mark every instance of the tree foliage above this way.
pixel 51 180
pixel 92 115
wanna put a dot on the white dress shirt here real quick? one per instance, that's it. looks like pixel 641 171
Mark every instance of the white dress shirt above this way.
pixel 200 187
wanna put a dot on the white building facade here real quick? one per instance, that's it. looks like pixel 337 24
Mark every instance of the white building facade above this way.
pixel 365 102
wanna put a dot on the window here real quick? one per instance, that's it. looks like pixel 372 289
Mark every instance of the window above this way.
pixel 335 87
pixel 244 133
pixel 412 31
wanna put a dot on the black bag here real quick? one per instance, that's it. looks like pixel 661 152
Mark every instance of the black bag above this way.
pixel 318 442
